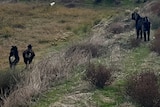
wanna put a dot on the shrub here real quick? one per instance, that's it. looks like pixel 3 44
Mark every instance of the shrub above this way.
pixel 156 42
pixel 98 75
pixel 82 30
pixel 88 48
pixel 134 42
pixel 155 21
pixel 155 8
pixel 8 80
pixel 97 21
pixel 116 28
pixel 144 89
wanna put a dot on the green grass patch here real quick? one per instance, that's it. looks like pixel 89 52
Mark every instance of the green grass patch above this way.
pixel 54 94
pixel 108 97
pixel 136 57
pixel 59 90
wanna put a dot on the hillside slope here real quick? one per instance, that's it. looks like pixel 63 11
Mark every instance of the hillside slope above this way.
pixel 119 54
pixel 64 71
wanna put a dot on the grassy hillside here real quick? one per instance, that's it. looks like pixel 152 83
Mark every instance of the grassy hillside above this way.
pixel 43 26
pixel 72 39
pixel 121 57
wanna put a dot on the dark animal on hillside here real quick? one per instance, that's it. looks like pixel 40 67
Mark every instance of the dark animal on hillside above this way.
pixel 13 57
pixel 142 25
pixel 138 23
pixel 146 28
pixel 138 1
pixel 28 55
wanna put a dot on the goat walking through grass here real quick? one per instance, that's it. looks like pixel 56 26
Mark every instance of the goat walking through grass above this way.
pixel 13 57
pixel 28 56
pixel 142 26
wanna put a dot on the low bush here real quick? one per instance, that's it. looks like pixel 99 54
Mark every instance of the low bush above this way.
pixel 156 42
pixel 134 42
pixel 116 28
pixel 155 21
pixel 8 80
pixel 98 75
pixel 144 89
pixel 87 48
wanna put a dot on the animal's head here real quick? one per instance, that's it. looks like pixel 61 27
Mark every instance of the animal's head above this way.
pixel 145 19
pixel 14 49
pixel 29 46
pixel 135 16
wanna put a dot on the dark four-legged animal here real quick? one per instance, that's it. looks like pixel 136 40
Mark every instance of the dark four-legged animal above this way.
pixel 13 57
pixel 142 26
pixel 28 55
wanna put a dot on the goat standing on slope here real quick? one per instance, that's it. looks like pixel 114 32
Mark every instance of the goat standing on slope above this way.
pixel 13 57
pixel 142 26
pixel 28 55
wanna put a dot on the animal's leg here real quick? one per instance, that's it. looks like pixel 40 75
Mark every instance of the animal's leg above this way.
pixel 29 66
pixel 26 66
pixel 137 31
pixel 144 35
pixel 148 35
pixel 141 33
pixel 11 66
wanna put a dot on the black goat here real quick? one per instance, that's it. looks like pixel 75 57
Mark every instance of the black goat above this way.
pixel 146 28
pixel 138 1
pixel 28 55
pixel 13 57
pixel 142 25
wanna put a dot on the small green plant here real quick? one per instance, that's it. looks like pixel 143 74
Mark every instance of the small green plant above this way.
pixel 98 75
pixel 144 89
pixel 83 29
pixel 96 21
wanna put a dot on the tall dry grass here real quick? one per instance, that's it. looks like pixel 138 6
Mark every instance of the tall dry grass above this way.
pixel 50 71
pixel 44 75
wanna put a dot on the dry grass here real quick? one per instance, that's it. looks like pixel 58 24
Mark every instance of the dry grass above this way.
pixel 95 50
pixel 42 26
pixel 51 70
